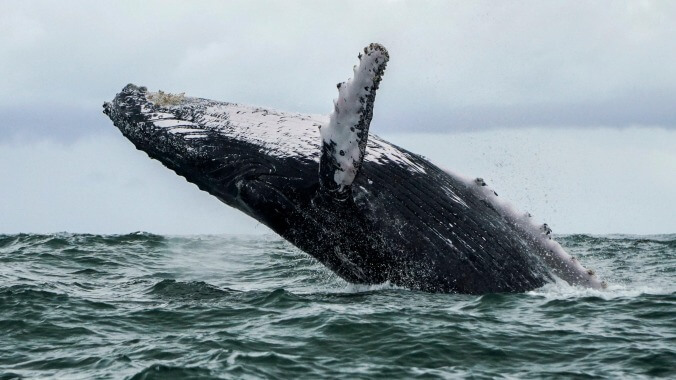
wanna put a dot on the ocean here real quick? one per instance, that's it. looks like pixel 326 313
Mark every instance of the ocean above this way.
pixel 144 306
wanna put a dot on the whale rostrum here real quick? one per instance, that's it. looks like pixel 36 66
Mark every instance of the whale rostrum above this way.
pixel 370 211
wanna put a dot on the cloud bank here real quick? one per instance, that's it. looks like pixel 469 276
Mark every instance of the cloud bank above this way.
pixel 566 108
pixel 455 65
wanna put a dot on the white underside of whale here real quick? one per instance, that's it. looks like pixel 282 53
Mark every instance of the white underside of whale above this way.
pixel 277 133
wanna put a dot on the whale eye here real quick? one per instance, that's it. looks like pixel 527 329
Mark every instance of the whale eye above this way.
pixel 342 153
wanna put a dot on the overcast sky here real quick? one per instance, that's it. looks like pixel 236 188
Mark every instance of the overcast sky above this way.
pixel 510 86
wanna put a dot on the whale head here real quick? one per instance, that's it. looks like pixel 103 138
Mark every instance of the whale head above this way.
pixel 243 161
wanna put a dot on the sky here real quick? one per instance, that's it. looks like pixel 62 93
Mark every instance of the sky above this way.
pixel 566 108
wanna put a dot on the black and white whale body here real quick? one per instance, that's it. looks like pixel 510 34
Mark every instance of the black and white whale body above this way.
pixel 370 211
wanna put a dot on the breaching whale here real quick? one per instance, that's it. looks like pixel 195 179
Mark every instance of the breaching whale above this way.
pixel 370 211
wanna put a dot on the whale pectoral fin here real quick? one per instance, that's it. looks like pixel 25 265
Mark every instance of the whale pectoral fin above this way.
pixel 344 138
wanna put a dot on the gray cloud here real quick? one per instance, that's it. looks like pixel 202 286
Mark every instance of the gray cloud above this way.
pixel 454 66
pixel 63 123
pixel 629 110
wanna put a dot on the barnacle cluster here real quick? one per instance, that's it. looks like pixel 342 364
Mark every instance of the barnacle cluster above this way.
pixel 163 99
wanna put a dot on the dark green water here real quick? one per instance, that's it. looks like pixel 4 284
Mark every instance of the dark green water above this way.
pixel 144 306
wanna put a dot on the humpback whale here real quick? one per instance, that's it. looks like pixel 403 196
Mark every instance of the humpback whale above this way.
pixel 370 211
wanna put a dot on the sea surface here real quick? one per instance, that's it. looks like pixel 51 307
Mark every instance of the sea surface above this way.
pixel 143 306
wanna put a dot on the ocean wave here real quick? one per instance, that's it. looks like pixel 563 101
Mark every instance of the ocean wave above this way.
pixel 194 290
pixel 668 240
pixel 149 306
pixel 161 372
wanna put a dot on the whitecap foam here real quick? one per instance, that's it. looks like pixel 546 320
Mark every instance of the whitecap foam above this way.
pixel 561 290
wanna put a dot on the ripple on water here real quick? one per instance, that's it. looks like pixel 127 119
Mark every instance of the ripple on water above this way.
pixel 193 290
pixel 140 306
